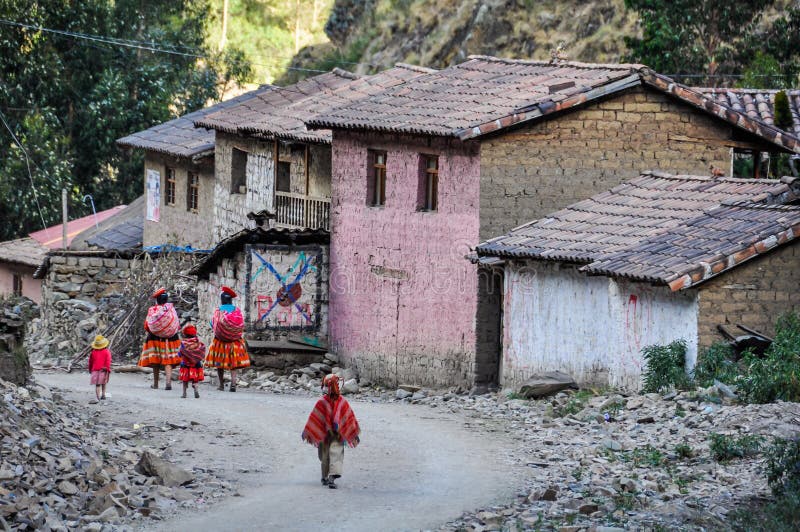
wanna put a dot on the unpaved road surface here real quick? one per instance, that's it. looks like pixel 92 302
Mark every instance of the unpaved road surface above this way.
pixel 416 468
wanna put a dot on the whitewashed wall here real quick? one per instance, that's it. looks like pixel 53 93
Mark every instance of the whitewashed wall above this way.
pixel 592 328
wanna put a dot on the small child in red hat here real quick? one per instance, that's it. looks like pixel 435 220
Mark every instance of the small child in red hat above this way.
pixel 192 353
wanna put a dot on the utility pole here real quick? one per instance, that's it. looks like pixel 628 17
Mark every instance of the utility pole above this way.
pixel 64 218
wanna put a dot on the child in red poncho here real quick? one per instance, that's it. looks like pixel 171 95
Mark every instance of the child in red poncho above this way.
pixel 331 424
pixel 192 353
pixel 100 365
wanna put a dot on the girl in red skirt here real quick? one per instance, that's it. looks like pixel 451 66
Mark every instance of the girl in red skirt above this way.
pixel 100 365
pixel 192 353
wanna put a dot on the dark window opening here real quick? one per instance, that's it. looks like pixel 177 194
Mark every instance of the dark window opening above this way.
pixel 284 180
pixel 428 189
pixel 169 187
pixel 238 171
pixel 17 284
pixel 376 180
pixel 193 192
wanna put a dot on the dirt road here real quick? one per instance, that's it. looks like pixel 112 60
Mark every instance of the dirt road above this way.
pixel 415 469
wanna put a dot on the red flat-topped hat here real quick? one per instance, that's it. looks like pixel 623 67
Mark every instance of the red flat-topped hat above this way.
pixel 190 330
pixel 159 292
pixel 229 291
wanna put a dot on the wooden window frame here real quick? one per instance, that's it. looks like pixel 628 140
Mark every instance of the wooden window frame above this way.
pixel 170 186
pixel 238 155
pixel 193 192
pixel 428 189
pixel 16 287
pixel 376 179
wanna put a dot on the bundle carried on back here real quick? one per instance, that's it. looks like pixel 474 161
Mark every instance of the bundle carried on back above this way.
pixel 228 326
pixel 162 320
pixel 193 351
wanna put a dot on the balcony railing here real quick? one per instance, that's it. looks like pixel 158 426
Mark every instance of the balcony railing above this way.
pixel 301 211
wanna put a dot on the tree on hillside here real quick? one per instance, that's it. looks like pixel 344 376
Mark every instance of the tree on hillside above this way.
pixel 710 37
pixel 69 94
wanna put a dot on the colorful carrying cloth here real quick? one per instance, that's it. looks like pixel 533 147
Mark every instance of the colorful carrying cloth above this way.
pixel 162 320
pixel 228 326
pixel 192 352
pixel 160 351
pixel 332 415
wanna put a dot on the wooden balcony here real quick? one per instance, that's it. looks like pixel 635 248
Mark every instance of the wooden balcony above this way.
pixel 299 211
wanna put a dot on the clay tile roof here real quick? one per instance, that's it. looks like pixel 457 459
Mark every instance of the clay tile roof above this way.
pixel 484 95
pixel 179 137
pixel 659 227
pixel 757 103
pixel 454 101
pixel 271 103
pixel 23 251
pixel 287 122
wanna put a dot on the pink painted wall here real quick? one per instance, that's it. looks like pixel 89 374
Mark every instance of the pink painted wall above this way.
pixel 403 298
pixel 31 288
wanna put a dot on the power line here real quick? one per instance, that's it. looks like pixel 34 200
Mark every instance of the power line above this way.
pixel 28 166
pixel 151 46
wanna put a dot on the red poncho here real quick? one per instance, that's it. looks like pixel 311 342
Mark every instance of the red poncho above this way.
pixel 228 326
pixel 328 415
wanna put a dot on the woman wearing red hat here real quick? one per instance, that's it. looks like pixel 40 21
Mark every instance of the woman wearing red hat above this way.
pixel 228 350
pixel 192 353
pixel 162 343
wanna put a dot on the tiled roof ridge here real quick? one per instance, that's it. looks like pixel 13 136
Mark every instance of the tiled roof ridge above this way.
pixel 744 90
pixel 688 177
pixel 573 64
pixel 415 68
pixel 702 100
pixel 344 73
pixel 756 205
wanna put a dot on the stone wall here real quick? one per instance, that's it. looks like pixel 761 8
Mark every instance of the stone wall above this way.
pixel 754 294
pixel 15 314
pixel 84 276
pixel 403 299
pixel 177 224
pixel 530 172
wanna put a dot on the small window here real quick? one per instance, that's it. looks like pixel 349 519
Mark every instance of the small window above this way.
pixel 169 186
pixel 193 192
pixel 17 288
pixel 238 171
pixel 428 189
pixel 376 180
pixel 284 180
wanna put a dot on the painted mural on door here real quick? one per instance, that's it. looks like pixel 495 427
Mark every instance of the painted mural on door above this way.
pixel 283 287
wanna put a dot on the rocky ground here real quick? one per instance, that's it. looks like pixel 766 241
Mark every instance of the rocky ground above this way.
pixel 591 461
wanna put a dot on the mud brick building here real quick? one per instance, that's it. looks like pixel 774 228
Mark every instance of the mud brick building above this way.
pixel 423 172
pixel 179 178
pixel 653 260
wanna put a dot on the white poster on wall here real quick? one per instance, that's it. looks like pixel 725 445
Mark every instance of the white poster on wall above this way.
pixel 153 195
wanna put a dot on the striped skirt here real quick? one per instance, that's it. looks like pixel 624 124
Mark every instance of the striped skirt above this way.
pixel 191 374
pixel 227 355
pixel 160 351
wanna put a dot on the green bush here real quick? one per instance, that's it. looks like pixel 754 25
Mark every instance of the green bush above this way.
pixel 783 113
pixel 666 367
pixel 776 376
pixel 724 448
pixel 783 465
pixel 716 363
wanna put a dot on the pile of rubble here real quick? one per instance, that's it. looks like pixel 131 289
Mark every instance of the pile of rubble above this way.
pixel 58 471
pixel 306 378
pixel 613 463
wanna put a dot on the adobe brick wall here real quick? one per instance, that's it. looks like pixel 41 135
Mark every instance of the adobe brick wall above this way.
pixel 755 294
pixel 177 225
pixel 536 170
pixel 403 298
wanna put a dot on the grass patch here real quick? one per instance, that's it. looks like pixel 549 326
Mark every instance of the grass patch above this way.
pixel 725 448
pixel 683 450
